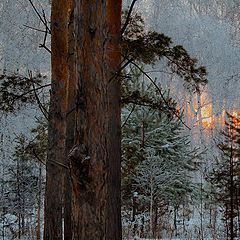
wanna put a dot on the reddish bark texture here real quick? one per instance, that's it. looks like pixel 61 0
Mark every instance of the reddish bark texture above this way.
pixel 57 123
pixel 96 187
pixel 70 121
pixel 84 115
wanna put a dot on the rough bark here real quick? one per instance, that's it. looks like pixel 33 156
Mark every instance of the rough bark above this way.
pixel 95 158
pixel 70 120
pixel 57 122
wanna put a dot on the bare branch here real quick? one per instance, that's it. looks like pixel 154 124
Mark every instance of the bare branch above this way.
pixel 43 45
pixel 46 48
pixel 128 17
pixel 129 115
pixel 40 17
pixel 41 107
pixel 33 28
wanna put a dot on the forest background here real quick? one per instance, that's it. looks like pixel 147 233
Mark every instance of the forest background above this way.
pixel 208 30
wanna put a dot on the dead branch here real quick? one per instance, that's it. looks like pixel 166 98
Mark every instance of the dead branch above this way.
pixel 40 17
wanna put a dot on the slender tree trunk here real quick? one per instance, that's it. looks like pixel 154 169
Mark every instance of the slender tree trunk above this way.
pixel 237 208
pixel 151 207
pixel 175 220
pixel 201 129
pixel 134 214
pixel 95 157
pixel 18 200
pixel 38 232
pixel 142 226
pixel 57 122
pixel 231 194
pixel 226 219
pixel 155 223
pixel 143 135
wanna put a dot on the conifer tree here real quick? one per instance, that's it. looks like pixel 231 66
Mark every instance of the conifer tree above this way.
pixel 225 176
pixel 24 183
pixel 157 159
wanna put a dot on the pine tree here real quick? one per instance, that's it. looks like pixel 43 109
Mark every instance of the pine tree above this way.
pixel 24 181
pixel 225 176
pixel 157 158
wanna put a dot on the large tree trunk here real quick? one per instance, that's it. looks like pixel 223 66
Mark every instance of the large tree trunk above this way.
pixel 57 122
pixel 84 122
pixel 95 159
pixel 70 121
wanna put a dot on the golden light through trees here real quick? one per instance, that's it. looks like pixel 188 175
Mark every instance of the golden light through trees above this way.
pixel 200 113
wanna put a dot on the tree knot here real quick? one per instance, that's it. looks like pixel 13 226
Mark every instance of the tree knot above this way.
pixel 79 163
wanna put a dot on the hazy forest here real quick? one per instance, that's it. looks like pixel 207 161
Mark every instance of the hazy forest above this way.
pixel 119 119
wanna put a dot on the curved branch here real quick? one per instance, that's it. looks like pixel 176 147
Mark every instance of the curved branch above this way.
pixel 125 122
pixel 128 17
pixel 161 95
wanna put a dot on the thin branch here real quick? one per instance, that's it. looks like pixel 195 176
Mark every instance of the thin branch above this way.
pixel 39 16
pixel 143 102
pixel 129 115
pixel 10 74
pixel 32 90
pixel 121 68
pixel 43 45
pixel 58 163
pixel 43 19
pixel 46 33
pixel 128 17
pixel 33 28
pixel 25 93
pixel 46 48
pixel 51 161
pixel 161 95
pixel 184 69
pixel 41 107
pixel 159 71
pixel 37 157
pixel 174 62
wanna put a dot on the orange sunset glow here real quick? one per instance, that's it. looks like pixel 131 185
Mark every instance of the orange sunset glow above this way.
pixel 208 119
pixel 200 112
